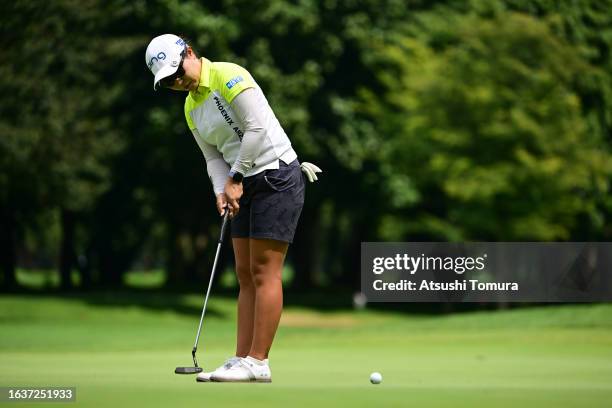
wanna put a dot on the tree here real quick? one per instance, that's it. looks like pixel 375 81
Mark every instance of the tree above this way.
pixel 62 131
pixel 486 136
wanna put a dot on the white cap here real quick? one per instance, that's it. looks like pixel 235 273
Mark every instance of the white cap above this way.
pixel 163 56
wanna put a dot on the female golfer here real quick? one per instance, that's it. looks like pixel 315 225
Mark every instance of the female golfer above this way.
pixel 255 172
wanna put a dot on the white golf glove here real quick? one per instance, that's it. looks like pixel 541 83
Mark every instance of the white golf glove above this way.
pixel 311 171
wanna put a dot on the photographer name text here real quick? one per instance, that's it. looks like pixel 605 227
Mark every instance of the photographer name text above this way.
pixel 412 265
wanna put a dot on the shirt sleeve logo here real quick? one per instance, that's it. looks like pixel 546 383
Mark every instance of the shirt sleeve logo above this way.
pixel 233 82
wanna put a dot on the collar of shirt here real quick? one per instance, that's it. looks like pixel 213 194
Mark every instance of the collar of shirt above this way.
pixel 204 75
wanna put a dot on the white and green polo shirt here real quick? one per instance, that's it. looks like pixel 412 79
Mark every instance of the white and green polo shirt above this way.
pixel 209 111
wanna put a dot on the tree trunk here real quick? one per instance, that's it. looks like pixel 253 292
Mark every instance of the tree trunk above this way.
pixel 67 253
pixel 84 266
pixel 302 251
pixel 175 264
pixel 363 224
pixel 7 249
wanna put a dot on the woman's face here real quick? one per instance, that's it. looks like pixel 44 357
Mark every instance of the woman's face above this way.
pixel 192 66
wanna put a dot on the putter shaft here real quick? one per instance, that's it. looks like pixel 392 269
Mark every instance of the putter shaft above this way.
pixel 212 277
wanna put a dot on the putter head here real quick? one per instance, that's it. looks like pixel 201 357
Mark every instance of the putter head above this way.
pixel 187 370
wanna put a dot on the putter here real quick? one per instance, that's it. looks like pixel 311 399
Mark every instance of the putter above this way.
pixel 196 368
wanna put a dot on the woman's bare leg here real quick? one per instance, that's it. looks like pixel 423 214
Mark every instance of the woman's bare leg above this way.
pixel 267 258
pixel 246 298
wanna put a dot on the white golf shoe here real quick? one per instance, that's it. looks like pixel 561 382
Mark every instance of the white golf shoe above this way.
pixel 205 377
pixel 248 369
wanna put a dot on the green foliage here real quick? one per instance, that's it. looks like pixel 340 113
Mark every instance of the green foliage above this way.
pixel 58 132
pixel 489 127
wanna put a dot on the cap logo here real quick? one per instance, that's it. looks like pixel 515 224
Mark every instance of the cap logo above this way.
pixel 159 57
pixel 174 63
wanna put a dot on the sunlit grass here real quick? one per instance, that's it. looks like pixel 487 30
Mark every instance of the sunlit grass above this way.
pixel 120 349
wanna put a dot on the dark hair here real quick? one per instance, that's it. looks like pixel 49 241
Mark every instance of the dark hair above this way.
pixel 187 42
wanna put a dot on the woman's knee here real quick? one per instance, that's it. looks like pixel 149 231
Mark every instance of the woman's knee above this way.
pixel 243 262
pixel 244 276
pixel 263 272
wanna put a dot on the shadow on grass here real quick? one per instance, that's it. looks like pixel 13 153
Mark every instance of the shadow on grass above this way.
pixel 342 300
pixel 321 300
pixel 153 300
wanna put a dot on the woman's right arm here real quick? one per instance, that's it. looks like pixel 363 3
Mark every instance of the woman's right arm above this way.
pixel 216 167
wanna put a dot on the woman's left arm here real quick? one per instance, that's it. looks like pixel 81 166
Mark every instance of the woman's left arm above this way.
pixel 250 112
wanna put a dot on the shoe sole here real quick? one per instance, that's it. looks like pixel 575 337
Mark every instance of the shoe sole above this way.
pixel 265 380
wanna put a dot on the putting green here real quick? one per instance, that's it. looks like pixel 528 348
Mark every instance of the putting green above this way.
pixel 118 354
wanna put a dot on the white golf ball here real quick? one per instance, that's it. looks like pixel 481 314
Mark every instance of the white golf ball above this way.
pixel 375 378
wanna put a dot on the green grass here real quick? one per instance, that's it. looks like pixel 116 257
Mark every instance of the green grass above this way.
pixel 120 350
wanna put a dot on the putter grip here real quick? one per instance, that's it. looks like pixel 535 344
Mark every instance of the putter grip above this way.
pixel 224 225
